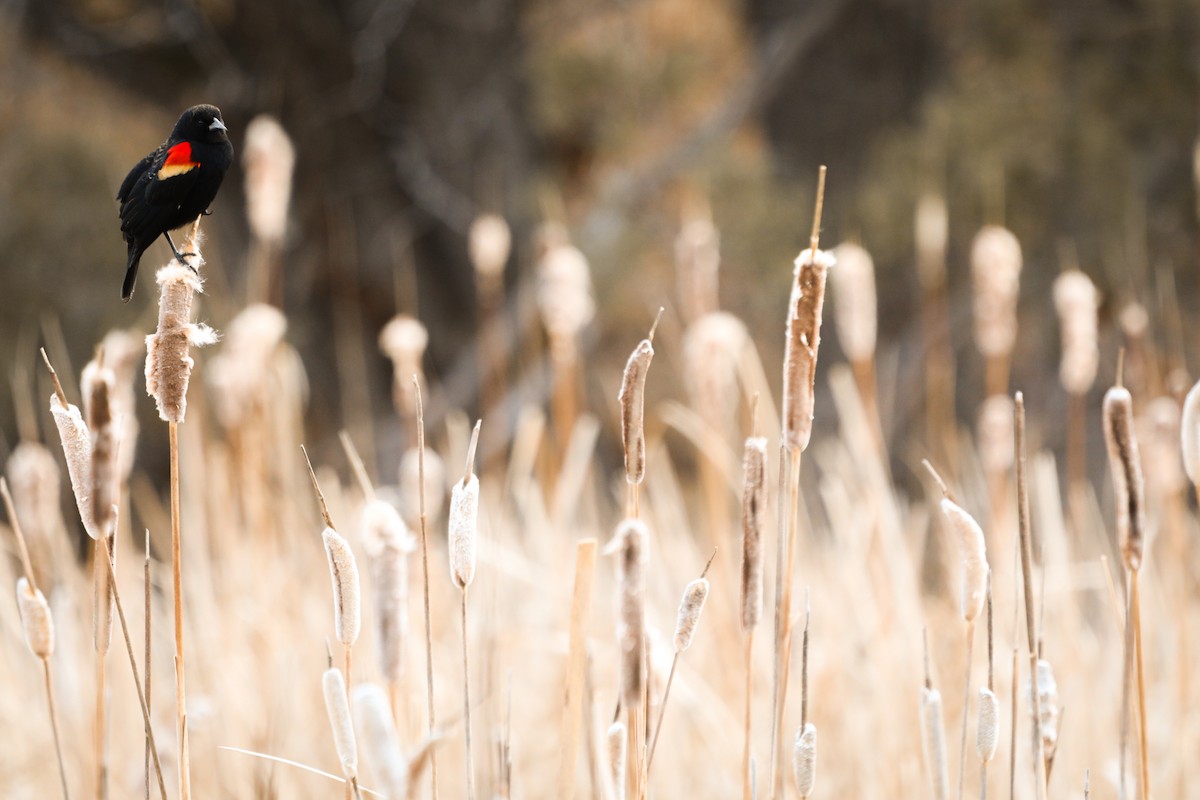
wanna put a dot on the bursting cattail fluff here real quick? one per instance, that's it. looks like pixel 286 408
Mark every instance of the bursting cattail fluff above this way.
pixel 931 232
pixel 855 302
pixel 1189 433
pixel 77 447
pixel 987 734
pixel 1125 462
pixel 403 340
pixel 690 608
pixel 36 619
pixel 97 385
pixel 1047 691
pixel 338 707
pixel 803 340
pixel 268 158
pixel 996 271
pixel 168 350
pixel 933 737
pixel 617 740
pixel 754 522
pixel 713 346
pixel 240 373
pixel 1077 301
pixel 974 557
pixel 388 542
pixel 489 242
pixel 804 759
pixel 464 521
pixel 632 398
pixel 697 266
pixel 995 435
pixel 382 749
pixel 630 544
pixel 343 572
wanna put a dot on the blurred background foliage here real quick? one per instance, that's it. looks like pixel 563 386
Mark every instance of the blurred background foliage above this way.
pixel 1070 121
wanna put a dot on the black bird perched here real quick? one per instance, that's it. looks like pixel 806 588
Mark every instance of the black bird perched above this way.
pixel 173 186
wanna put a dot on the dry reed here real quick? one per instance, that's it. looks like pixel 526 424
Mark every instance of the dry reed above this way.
pixel 464 534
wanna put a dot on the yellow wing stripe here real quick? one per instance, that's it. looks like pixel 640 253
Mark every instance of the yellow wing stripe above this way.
pixel 172 170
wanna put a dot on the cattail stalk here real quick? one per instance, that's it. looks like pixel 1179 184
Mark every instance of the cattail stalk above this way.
pixel 933 736
pixel 464 524
pixel 754 511
pixel 931 228
pixel 630 545
pixel 632 399
pixel 1077 302
pixel 425 575
pixel 987 732
pixel 581 604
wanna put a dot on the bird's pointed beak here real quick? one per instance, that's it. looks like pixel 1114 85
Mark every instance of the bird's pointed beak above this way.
pixel 217 125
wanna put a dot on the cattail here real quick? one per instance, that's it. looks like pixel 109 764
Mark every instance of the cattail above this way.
pixel 1047 690
pixel 97 386
pixel 388 542
pixel 168 350
pixel 564 290
pixel 1077 301
pixel 974 557
pixel 854 297
pixel 803 340
pixel 987 734
pixel 382 748
pixel 995 435
pixel 617 739
pixel 464 516
pixel 34 476
pixel 489 243
pixel 1126 465
pixel 35 619
pixel 933 736
pixel 239 374
pixel 343 571
pixel 268 158
pixel 338 707
pixel 804 759
pixel 123 354
pixel 410 486
pixel 996 270
pixel 1159 433
pixel 713 346
pixel 77 447
pixel 697 266
pixel 630 544
pixel 754 522
pixel 102 596
pixel 690 608
pixel 1189 433
pixel 931 232
pixel 632 398
pixel 403 340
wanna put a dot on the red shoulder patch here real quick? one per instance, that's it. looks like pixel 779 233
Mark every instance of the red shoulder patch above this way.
pixel 178 161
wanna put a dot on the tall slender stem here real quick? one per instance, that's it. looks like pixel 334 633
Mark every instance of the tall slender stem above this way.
pixel 467 700
pixel 62 768
pixel 1039 764
pixel 661 714
pixel 185 781
pixel 425 571
pixel 966 706
pixel 747 785
pixel 146 656
pixel 1135 604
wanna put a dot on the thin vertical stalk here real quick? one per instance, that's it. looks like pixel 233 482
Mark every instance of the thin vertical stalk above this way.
pixel 1039 764
pixel 185 781
pixel 425 571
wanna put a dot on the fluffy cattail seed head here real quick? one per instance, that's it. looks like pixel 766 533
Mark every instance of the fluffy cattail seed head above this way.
pixel 489 242
pixel 617 739
pixel 804 759
pixel 630 544
pixel 97 384
pixel 803 341
pixel 338 707
pixel 1078 302
pixel 240 373
pixel 690 608
pixel 1124 460
pixel 403 340
pixel 1189 433
pixel 632 398
pixel 34 477
pixel 697 266
pixel 1047 689
pixel 123 354
pixel 712 351
pixel 854 298
pixel 343 571
pixel 382 749
pixel 974 557
pixel 564 290
pixel 77 447
pixel 268 158
pixel 388 542
pixel 996 270
pixel 987 734
pixel 933 736
pixel 932 231
pixel 35 619
pixel 754 522
pixel 464 522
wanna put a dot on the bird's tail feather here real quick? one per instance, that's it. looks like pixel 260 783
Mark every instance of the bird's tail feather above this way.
pixel 131 269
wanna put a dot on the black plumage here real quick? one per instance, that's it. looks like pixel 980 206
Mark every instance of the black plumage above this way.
pixel 174 185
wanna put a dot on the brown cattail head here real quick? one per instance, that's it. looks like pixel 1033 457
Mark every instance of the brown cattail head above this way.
pixel 77 447
pixel 410 485
pixel 987 734
pixel 403 340
pixel 697 266
pixel 855 302
pixel 388 542
pixel 1047 690
pixel 343 571
pixel 464 522
pixel 1129 488
pixel 632 398
pixel 240 374
pixel 35 619
pixel 168 350
pixel 489 243
pixel 617 739
pixel 804 759
pixel 1078 302
pixel 996 270
pixel 268 158
pixel 803 341
pixel 97 385
pixel 932 231
pixel 974 557
pixel 713 346
pixel 690 607
pixel 630 545
pixel 564 290
pixel 383 750
pixel 338 707
pixel 933 737
pixel 754 523
pixel 1189 433
pixel 995 436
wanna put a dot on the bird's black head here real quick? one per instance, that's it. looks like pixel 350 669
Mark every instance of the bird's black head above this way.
pixel 201 124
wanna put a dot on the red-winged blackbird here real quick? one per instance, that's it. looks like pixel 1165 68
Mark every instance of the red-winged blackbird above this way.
pixel 173 186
